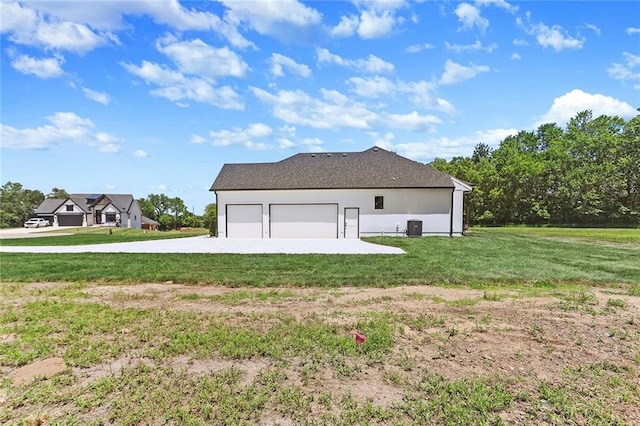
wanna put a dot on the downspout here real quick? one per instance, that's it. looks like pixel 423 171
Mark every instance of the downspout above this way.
pixel 451 214
pixel 217 218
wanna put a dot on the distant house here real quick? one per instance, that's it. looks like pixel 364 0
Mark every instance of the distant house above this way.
pixel 338 195
pixel 92 209
pixel 149 224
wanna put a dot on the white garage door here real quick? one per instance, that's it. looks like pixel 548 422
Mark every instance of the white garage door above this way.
pixel 244 220
pixel 304 220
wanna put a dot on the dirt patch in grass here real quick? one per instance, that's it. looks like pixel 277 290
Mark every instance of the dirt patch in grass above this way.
pixel 562 355
pixel 44 368
pixel 515 334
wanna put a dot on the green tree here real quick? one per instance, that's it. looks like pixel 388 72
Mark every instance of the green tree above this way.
pixel 58 193
pixel 586 173
pixel 211 218
pixel 17 204
pixel 630 169
pixel 147 209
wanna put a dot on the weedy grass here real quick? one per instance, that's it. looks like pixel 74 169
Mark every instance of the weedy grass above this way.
pixel 294 357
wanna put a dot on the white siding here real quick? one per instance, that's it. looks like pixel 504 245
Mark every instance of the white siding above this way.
pixel 431 206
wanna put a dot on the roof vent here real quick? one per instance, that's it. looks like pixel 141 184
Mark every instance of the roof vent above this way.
pixel 313 155
pixel 344 154
pixel 328 155
pixel 375 149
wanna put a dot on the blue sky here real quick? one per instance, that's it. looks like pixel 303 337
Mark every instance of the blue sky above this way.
pixel 155 96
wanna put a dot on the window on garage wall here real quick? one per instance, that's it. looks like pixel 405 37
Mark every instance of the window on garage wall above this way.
pixel 379 202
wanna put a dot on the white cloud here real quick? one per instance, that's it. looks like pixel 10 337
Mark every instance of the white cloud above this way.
pixel 444 147
pixel 334 111
pixel 519 42
pixel 460 48
pixel 28 27
pixel 455 73
pixel 288 131
pixel 100 97
pixel 197 139
pixel 376 24
pixel 415 48
pixel 160 187
pixel 280 62
pixel 469 16
pixel 629 70
pixel 244 137
pixel 140 153
pixel 284 143
pixel 516 57
pixel 97 19
pixel 498 3
pixel 413 121
pixel 197 57
pixel 64 126
pixel 258 130
pixel 593 28
pixel 284 19
pixel 42 68
pixel 568 105
pixel 632 30
pixel 105 142
pixel 313 143
pixel 172 13
pixel 177 87
pixel 377 19
pixel 554 37
pixel 199 66
pixel 372 87
pixel 346 27
pixel 421 93
pixel 384 142
pixel 372 64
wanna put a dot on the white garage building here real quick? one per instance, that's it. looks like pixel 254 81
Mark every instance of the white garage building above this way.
pixel 338 195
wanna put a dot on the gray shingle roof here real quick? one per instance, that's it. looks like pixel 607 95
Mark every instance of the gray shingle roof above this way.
pixel 49 205
pixel 373 168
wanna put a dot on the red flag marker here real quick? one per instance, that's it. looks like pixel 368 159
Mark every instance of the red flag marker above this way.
pixel 360 338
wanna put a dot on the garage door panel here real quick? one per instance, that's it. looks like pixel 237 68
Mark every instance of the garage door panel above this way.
pixel 70 220
pixel 304 220
pixel 244 220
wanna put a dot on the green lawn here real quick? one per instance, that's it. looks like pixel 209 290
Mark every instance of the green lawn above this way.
pixel 492 256
pixel 97 235
pixel 615 235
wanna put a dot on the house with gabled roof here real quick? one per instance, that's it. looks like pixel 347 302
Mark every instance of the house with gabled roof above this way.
pixel 92 209
pixel 338 195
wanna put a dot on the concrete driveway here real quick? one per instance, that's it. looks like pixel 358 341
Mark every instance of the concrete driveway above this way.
pixel 25 232
pixel 205 244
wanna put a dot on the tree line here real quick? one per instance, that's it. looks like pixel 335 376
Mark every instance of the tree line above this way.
pixel 587 173
pixel 172 213
pixel 17 204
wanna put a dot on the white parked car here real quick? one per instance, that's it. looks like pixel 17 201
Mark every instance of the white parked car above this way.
pixel 36 222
